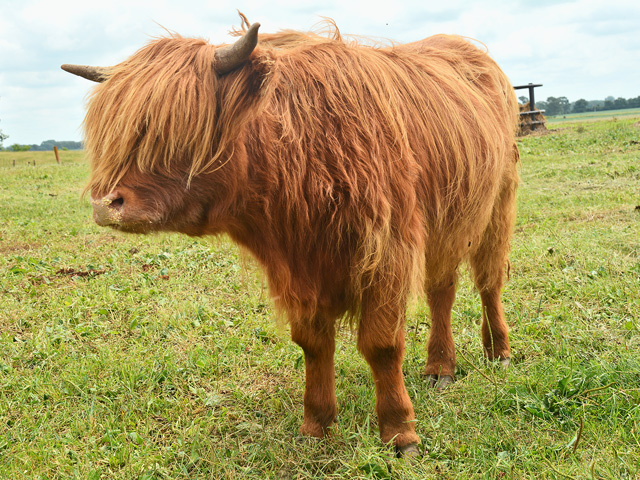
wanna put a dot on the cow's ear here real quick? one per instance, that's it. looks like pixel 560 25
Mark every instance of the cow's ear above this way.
pixel 233 56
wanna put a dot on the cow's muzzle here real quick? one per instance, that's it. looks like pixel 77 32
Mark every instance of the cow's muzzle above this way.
pixel 108 210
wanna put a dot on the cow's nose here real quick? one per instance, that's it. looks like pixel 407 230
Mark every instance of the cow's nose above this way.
pixel 108 210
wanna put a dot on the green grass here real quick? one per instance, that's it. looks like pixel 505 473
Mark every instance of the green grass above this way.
pixel 159 357
pixel 595 116
pixel 18 159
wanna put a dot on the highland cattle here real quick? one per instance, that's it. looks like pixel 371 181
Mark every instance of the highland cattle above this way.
pixel 356 175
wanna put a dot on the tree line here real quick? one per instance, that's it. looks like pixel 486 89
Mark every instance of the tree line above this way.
pixel 562 106
pixel 47 145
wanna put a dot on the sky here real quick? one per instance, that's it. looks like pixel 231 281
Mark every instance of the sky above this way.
pixel 576 48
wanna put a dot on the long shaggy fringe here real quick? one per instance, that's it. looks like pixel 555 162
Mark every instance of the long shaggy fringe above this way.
pixel 389 159
pixel 163 104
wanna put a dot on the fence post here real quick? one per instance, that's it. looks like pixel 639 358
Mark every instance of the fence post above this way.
pixel 532 106
pixel 55 150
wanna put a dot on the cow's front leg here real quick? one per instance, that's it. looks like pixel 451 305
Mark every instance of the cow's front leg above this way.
pixel 317 339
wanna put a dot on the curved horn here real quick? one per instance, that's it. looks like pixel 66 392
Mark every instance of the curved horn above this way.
pixel 95 74
pixel 231 57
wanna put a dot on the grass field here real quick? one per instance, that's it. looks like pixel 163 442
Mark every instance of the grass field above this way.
pixel 158 357
pixel 19 159
pixel 595 116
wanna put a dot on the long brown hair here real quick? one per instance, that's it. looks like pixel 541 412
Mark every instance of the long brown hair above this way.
pixel 396 154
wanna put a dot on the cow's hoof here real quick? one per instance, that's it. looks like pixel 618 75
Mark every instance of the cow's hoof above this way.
pixel 408 452
pixel 440 382
pixel 505 362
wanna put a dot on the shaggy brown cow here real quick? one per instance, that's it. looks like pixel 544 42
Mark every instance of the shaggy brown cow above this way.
pixel 356 175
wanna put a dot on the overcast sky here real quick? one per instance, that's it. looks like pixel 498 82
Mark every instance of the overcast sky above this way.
pixel 577 48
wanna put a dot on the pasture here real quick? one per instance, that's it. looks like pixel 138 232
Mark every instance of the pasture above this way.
pixel 159 357
pixel 595 116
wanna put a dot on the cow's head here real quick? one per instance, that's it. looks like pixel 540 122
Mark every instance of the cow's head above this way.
pixel 160 124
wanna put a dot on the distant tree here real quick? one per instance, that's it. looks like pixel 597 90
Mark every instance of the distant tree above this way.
pixel 620 103
pixel 633 102
pixel 553 106
pixel 541 105
pixel 20 148
pixel 70 145
pixel 580 106
pixel 564 105
pixel 48 144
pixel 608 103
pixel 595 105
pixel 522 99
pixel 3 137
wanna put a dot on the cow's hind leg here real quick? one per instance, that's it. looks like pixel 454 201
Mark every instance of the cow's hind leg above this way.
pixel 381 341
pixel 488 263
pixel 441 351
pixel 317 339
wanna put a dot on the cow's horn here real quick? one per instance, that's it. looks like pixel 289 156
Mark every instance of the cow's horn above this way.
pixel 231 57
pixel 95 74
